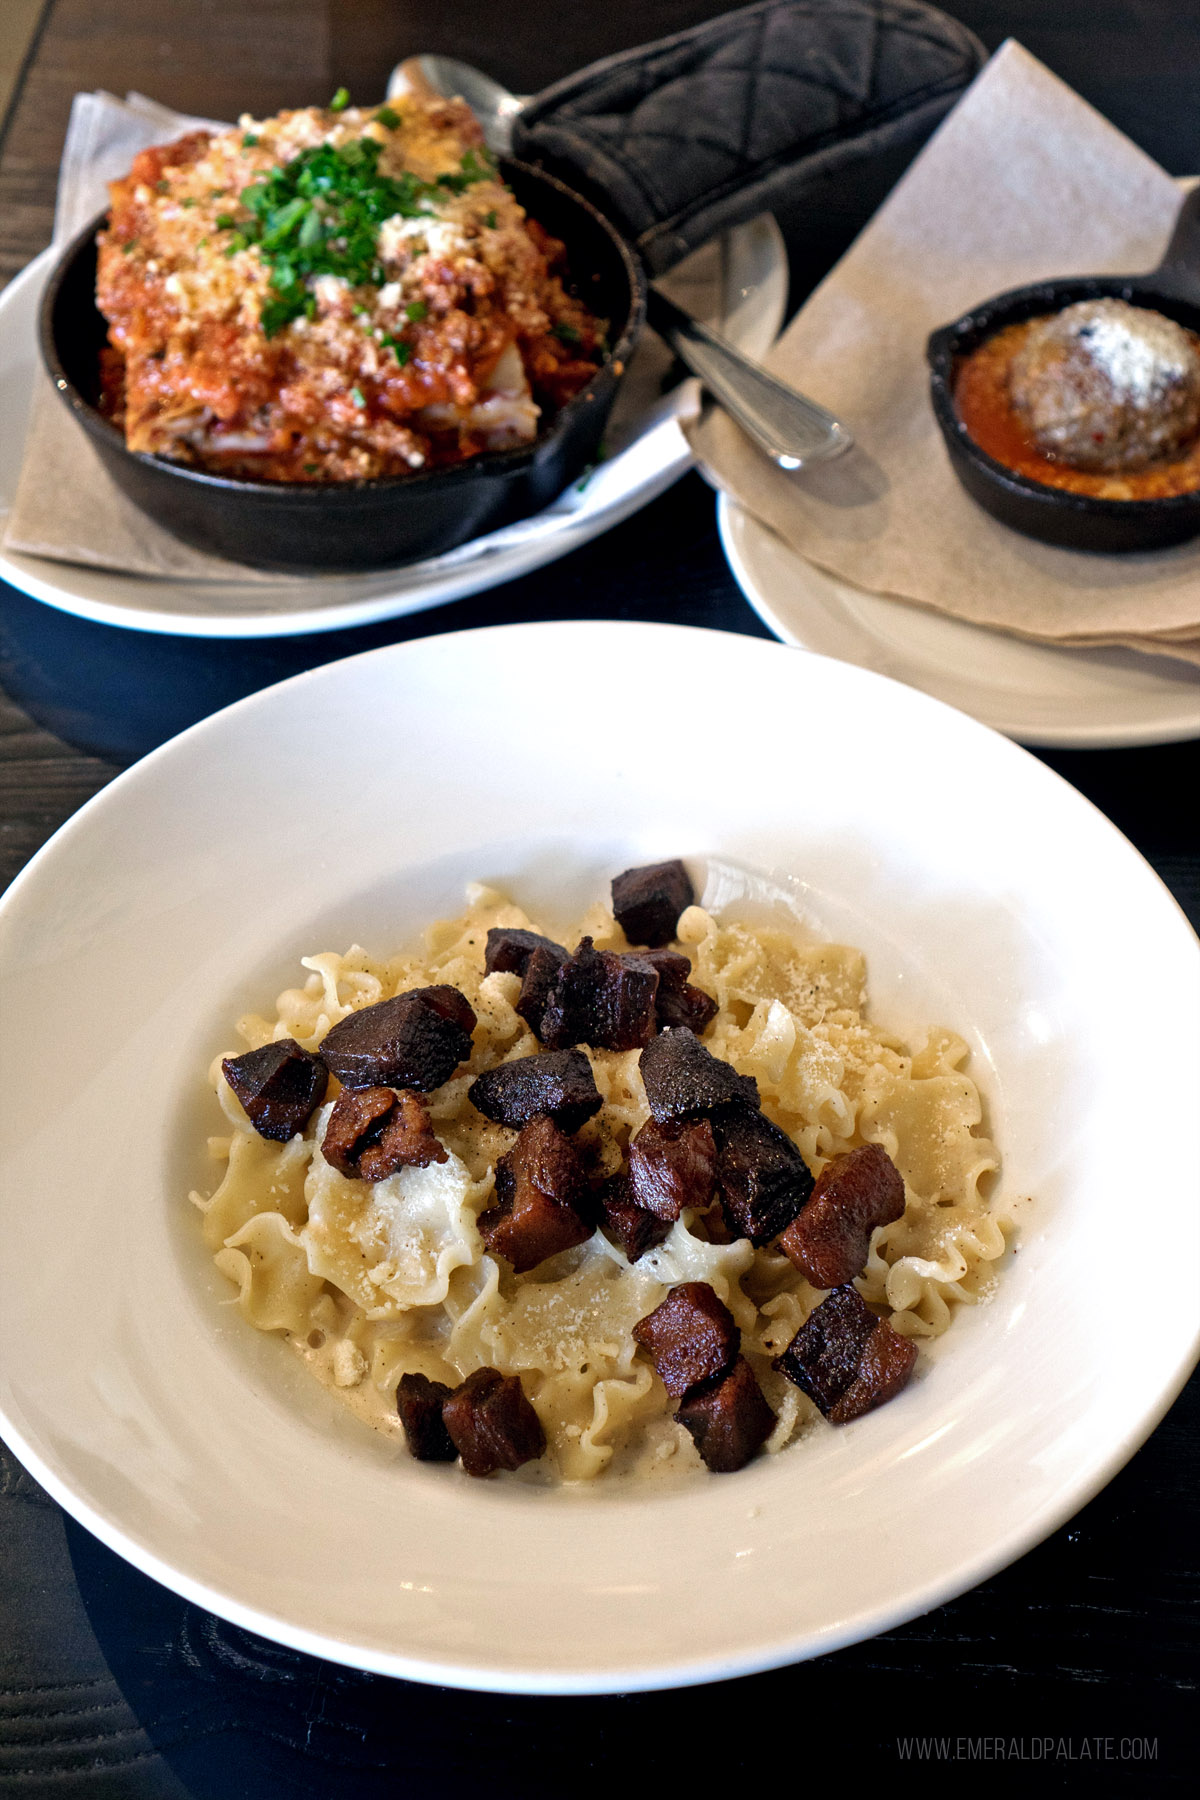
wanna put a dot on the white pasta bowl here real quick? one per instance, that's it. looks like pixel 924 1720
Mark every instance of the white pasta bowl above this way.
pixel 353 803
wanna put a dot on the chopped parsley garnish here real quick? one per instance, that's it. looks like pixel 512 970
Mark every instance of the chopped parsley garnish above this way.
pixel 567 334
pixel 388 116
pixel 490 221
pixel 274 316
pixel 188 200
pixel 356 394
pixel 311 468
pixel 340 101
pixel 402 350
pixel 416 309
pixel 476 165
pixel 320 215
pixel 162 187
pixel 249 141
pixel 225 222
pixel 129 248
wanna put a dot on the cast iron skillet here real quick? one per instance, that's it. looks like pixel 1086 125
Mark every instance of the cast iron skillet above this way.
pixel 369 524
pixel 1074 521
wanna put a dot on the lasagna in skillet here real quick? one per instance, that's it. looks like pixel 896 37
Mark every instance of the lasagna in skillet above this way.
pixel 334 294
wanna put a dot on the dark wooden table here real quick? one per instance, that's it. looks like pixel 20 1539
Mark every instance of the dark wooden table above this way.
pixel 109 1684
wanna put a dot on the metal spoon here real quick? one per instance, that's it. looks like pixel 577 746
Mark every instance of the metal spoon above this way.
pixel 791 428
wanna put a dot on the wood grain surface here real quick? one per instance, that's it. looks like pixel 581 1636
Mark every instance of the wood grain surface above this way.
pixel 112 1686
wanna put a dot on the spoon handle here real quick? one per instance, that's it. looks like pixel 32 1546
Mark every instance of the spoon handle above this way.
pixel 792 429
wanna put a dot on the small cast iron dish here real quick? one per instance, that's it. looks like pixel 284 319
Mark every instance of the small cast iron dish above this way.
pixel 302 527
pixel 1073 521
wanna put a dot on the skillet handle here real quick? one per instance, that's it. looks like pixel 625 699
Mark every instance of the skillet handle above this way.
pixel 1178 274
pixel 789 105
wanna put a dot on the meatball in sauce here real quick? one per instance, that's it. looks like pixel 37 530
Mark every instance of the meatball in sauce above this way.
pixel 1102 398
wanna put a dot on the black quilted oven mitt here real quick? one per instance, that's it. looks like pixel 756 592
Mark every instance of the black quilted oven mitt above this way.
pixel 754 111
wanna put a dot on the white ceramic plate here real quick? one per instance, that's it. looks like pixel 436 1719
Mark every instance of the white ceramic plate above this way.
pixel 739 283
pixel 353 802
pixel 1069 699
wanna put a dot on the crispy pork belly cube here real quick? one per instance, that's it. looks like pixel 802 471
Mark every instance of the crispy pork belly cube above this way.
pixel 635 1229
pixel 560 1085
pixel 408 1140
pixel 682 1078
pixel 885 1367
pixel 280 1086
pixel 601 999
pixel 537 980
pixel 672 1166
pixel 419 1403
pixel 691 1006
pixel 824 1355
pixel 357 1121
pixel 492 1424
pixel 677 1001
pixel 763 1179
pixel 829 1239
pixel 416 1041
pixel 647 902
pixel 690 1335
pixel 372 1132
pixel 728 1418
pixel 540 1186
pixel 847 1359
pixel 509 949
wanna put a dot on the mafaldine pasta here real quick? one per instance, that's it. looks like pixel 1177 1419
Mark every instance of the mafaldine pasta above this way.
pixel 669 1250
